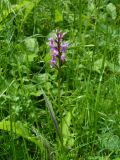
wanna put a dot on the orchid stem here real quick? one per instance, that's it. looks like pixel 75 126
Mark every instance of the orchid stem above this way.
pixel 59 99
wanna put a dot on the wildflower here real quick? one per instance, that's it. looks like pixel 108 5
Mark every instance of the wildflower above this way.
pixel 64 47
pixel 58 49
pixel 63 57
pixel 51 42
pixel 53 60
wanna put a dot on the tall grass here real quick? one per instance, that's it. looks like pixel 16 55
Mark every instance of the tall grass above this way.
pixel 30 118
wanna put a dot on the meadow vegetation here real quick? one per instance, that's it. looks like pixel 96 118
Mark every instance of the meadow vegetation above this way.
pixel 51 114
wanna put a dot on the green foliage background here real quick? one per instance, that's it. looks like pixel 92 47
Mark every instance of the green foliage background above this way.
pixel 90 90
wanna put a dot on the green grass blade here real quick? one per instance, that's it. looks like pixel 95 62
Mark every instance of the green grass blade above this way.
pixel 52 114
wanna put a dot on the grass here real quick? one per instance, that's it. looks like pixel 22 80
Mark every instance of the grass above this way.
pixel 87 114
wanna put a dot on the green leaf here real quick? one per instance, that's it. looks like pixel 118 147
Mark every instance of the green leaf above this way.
pixel 111 9
pixel 110 141
pixel 67 136
pixel 20 129
pixel 58 16
pixel 98 64
pixel 47 57
pixel 31 57
pixel 25 5
pixel 15 127
pixel 111 66
pixel 31 44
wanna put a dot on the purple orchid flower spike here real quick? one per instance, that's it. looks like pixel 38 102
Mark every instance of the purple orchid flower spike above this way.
pixel 58 49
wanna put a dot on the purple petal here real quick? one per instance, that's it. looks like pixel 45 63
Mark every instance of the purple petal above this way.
pixel 51 42
pixel 59 36
pixel 54 51
pixel 63 57
pixel 50 39
pixel 53 62
pixel 64 47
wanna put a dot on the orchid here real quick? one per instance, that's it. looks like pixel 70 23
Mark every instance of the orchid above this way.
pixel 58 49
